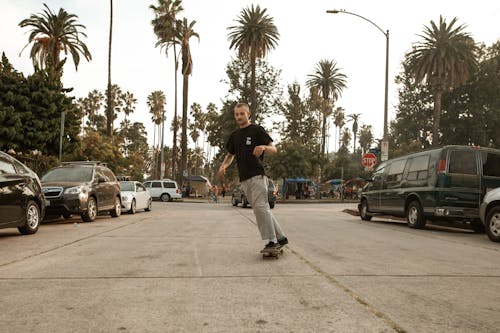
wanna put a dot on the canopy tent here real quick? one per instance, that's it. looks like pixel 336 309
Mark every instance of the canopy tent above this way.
pixel 333 181
pixel 197 185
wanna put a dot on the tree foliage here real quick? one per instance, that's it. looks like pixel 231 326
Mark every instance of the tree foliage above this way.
pixel 30 112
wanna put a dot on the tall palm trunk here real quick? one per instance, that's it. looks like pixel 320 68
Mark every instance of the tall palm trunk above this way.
pixel 185 87
pixel 174 144
pixel 154 150
pixel 438 94
pixel 354 145
pixel 323 135
pixel 253 93
pixel 109 110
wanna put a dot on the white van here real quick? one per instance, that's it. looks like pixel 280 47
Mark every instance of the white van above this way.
pixel 163 189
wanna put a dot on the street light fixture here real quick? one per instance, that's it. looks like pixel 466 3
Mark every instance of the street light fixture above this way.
pixel 386 34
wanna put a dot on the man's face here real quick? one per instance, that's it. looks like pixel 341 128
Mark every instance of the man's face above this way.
pixel 242 115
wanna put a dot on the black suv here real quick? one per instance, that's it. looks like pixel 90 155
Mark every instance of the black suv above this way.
pixel 85 188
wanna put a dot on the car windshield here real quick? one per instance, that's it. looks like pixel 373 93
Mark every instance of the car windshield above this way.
pixel 127 186
pixel 69 174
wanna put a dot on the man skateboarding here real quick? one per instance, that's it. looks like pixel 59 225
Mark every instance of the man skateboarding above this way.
pixel 249 143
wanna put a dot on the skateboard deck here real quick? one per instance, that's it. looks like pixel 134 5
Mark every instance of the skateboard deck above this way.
pixel 273 254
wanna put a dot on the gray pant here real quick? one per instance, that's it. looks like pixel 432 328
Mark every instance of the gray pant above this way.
pixel 255 190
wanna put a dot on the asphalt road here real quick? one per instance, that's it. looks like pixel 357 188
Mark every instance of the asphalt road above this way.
pixel 196 267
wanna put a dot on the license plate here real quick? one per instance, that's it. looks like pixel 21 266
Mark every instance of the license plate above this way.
pixel 47 203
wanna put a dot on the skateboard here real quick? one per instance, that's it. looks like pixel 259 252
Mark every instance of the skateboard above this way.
pixel 273 254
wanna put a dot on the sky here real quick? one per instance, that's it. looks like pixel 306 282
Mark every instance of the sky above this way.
pixel 307 35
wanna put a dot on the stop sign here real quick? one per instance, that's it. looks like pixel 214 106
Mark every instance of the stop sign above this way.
pixel 369 160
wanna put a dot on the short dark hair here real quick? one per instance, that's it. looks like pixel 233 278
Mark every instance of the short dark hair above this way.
pixel 242 104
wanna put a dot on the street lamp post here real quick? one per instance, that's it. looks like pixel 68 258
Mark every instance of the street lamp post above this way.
pixel 385 145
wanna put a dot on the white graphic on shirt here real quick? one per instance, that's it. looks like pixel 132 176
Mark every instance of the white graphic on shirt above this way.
pixel 249 141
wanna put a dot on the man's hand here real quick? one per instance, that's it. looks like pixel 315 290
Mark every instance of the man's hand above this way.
pixel 259 150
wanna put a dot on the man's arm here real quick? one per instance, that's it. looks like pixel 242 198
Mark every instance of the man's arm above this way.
pixel 227 162
pixel 270 149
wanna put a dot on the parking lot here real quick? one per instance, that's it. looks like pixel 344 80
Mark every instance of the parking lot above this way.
pixel 196 267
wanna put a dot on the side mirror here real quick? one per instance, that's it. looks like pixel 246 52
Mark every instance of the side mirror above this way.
pixel 101 180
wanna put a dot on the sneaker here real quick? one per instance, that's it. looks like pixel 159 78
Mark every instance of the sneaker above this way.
pixel 271 246
pixel 283 241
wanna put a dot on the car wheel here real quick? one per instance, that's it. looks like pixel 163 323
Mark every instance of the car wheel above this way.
pixel 91 213
pixel 271 204
pixel 117 210
pixel 234 201
pixel 363 211
pixel 165 197
pixel 133 207
pixel 31 219
pixel 150 205
pixel 66 216
pixel 415 215
pixel 244 202
pixel 492 224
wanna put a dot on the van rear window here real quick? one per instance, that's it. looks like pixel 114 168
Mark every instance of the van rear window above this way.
pixel 491 164
pixel 462 161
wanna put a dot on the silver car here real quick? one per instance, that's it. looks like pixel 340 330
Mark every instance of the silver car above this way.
pixel 135 196
pixel 490 214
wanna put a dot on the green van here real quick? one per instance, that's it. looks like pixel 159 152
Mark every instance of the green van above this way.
pixel 446 183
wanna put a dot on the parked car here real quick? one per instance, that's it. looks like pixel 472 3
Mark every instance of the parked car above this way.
pixel 84 188
pixel 447 183
pixel 164 189
pixel 238 196
pixel 135 196
pixel 22 203
pixel 490 214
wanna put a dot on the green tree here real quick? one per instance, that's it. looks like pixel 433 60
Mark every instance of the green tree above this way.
pixel 330 83
pixel 254 37
pixel 184 33
pixel 339 121
pixel 31 111
pixel 365 137
pixel 156 103
pixel 114 104
pixel 354 117
pixel 444 59
pixel 166 30
pixel 51 34
pixel 129 102
pixel 301 125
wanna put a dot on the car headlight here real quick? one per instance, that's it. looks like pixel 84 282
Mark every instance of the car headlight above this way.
pixel 126 198
pixel 75 190
pixel 81 191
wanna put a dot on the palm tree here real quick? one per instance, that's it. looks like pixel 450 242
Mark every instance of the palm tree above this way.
pixel 445 59
pixel 254 37
pixel 109 107
pixel 114 104
pixel 339 120
pixel 165 28
pixel 156 102
pixel 129 100
pixel 95 99
pixel 53 33
pixel 330 82
pixel 354 118
pixel 184 33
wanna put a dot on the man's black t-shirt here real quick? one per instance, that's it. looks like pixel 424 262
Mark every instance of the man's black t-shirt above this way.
pixel 242 143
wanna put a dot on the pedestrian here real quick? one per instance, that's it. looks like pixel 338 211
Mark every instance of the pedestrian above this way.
pixel 223 190
pixel 249 143
pixel 215 191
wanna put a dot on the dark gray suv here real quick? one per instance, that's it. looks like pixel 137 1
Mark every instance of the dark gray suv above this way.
pixel 84 188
